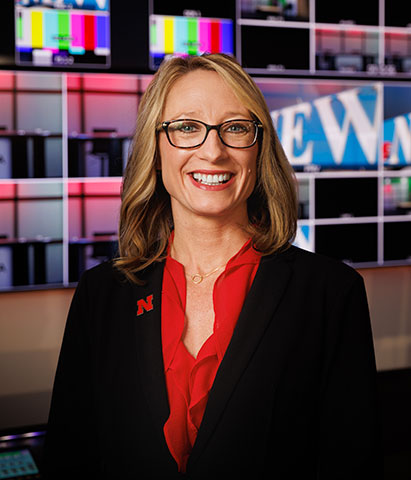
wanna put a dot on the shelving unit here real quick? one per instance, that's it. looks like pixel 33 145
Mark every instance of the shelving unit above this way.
pixel 345 127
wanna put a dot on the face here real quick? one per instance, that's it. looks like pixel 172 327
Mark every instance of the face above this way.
pixel 203 95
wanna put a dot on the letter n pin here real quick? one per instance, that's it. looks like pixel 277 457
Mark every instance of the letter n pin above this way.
pixel 144 305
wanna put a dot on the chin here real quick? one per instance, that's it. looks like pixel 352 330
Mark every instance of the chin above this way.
pixel 217 211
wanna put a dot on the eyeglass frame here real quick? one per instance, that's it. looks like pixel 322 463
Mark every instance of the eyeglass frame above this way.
pixel 258 128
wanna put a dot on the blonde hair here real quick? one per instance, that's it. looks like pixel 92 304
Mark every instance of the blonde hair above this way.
pixel 145 216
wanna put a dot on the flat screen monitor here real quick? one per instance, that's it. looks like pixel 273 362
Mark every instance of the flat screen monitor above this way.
pixel 184 35
pixel 62 33
pixel 17 464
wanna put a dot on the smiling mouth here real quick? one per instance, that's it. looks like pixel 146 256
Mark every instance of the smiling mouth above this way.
pixel 212 180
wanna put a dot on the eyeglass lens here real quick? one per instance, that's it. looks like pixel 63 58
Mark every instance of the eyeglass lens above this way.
pixel 191 133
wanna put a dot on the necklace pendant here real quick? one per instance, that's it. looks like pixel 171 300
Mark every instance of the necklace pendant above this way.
pixel 197 278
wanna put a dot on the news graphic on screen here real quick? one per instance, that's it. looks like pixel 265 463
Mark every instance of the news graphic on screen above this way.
pixel 62 33
pixel 185 35
pixel 397 135
pixel 325 126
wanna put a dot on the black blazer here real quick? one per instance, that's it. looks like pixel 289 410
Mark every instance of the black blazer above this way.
pixel 294 397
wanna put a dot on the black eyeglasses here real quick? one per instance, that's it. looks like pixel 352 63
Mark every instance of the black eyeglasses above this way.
pixel 187 133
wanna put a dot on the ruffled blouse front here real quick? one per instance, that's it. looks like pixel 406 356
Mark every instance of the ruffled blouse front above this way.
pixel 190 379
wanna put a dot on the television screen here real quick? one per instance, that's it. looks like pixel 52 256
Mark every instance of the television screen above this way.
pixel 297 11
pixel 397 127
pixel 190 28
pixel 326 125
pixel 17 464
pixel 62 33
pixel 350 12
pixel 346 50
pixel 186 35
pixel 260 52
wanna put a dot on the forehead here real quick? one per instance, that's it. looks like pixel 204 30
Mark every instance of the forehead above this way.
pixel 202 92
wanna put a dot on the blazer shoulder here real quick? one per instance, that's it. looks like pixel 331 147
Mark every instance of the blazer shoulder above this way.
pixel 102 276
pixel 320 267
pixel 107 276
pixel 103 289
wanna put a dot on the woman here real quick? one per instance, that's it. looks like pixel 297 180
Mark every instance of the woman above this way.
pixel 211 347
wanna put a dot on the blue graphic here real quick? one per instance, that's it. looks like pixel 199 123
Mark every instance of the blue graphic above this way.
pixel 304 238
pixel 397 141
pixel 341 130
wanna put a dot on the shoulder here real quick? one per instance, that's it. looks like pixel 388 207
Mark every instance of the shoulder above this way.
pixel 104 272
pixel 318 269
pixel 102 277
pixel 319 284
pixel 309 260
pixel 98 285
pixel 104 289
pixel 107 274
pixel 108 278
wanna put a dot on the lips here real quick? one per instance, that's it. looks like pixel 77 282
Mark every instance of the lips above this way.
pixel 209 179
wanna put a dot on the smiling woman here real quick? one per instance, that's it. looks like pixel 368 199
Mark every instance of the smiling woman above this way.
pixel 271 207
pixel 203 95
pixel 212 347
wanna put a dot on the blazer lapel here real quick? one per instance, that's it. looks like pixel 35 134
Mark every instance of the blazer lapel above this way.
pixel 149 347
pixel 258 312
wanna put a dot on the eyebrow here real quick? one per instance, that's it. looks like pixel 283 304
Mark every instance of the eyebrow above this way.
pixel 192 115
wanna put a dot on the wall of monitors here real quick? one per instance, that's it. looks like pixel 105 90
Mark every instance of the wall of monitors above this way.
pixel 337 80
pixel 62 157
pixel 323 38
pixel 371 38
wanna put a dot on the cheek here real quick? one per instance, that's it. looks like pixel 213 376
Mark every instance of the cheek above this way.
pixel 251 167
pixel 167 174
pixel 161 151
pixel 166 158
pixel 170 163
pixel 251 173
pixel 163 163
pixel 251 182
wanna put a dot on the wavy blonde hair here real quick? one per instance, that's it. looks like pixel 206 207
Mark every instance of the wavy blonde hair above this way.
pixel 145 216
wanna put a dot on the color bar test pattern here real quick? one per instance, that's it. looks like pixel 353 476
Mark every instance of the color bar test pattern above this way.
pixel 62 31
pixel 190 35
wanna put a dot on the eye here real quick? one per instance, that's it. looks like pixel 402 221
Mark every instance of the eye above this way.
pixel 237 127
pixel 185 126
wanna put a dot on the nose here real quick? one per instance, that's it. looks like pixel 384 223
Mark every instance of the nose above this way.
pixel 213 148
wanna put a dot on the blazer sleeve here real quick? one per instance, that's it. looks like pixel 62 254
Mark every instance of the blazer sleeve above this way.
pixel 349 419
pixel 70 445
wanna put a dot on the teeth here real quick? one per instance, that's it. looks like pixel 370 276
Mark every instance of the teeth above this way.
pixel 215 179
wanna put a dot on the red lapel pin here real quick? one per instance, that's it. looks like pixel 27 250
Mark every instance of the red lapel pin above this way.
pixel 144 305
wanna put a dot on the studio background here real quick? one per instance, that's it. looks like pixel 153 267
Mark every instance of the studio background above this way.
pixel 338 85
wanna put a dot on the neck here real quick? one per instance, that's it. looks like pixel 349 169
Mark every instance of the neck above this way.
pixel 204 245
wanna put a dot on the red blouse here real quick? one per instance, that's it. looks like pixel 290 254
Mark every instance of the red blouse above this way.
pixel 190 379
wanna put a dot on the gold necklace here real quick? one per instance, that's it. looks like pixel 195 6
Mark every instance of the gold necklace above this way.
pixel 198 278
